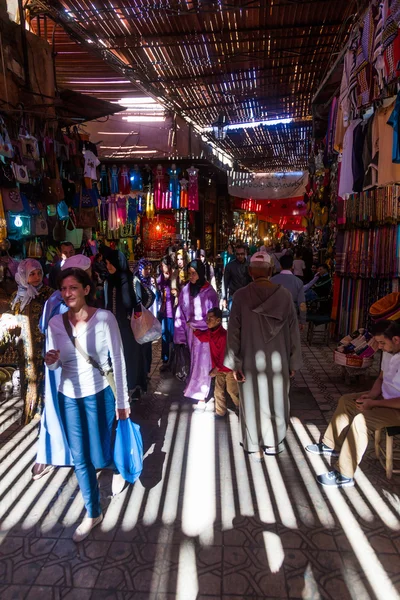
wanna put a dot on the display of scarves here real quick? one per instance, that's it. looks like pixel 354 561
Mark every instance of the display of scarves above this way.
pixel 364 253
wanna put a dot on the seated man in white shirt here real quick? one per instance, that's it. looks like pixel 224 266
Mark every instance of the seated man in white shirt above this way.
pixel 357 414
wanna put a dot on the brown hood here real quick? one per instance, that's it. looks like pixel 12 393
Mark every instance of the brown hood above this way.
pixel 273 307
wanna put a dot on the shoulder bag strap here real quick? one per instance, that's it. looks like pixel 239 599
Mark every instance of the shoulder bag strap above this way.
pixel 77 345
pixel 109 375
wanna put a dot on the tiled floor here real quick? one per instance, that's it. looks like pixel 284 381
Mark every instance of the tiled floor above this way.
pixel 204 522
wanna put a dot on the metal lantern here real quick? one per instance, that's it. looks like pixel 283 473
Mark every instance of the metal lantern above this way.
pixel 220 127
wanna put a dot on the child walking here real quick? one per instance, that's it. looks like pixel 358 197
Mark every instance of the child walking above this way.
pixel 215 335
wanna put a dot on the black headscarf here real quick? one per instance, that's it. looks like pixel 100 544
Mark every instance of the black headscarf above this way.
pixel 121 281
pixel 198 266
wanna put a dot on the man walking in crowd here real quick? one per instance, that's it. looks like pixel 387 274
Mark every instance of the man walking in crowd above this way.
pixel 357 414
pixel 264 352
pixel 322 287
pixel 236 275
pixel 215 336
pixel 294 285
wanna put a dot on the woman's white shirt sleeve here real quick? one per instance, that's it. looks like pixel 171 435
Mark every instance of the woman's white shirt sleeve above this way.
pixel 114 343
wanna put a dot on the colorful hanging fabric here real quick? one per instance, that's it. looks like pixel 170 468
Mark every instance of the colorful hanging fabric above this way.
pixel 121 210
pixel 159 187
pixel 193 190
pixel 114 172
pixel 104 182
pixel 184 192
pixel 135 178
pixel 124 183
pixel 174 187
pixel 131 210
pixel 150 212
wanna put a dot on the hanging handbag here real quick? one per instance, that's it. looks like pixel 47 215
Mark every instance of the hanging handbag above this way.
pixel 7 179
pixel 59 231
pixel 73 235
pixel 12 199
pixel 86 215
pixel 62 211
pixel 40 225
pixel 30 207
pixel 6 148
pixel 34 249
pixel 20 173
pixel 109 375
pixel 53 191
pixel 128 450
pixel 29 147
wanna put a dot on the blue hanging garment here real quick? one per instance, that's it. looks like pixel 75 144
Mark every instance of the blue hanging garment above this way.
pixel 128 450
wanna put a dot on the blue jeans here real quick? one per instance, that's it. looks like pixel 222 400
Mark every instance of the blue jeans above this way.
pixel 88 426
pixel 167 337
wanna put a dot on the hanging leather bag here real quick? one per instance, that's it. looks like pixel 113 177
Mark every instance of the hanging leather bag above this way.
pixel 12 199
pixel 59 231
pixel 86 214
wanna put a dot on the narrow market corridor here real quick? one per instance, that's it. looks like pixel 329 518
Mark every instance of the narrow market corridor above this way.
pixel 203 521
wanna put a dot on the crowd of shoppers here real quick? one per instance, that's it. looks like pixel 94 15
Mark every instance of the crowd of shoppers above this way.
pixel 252 361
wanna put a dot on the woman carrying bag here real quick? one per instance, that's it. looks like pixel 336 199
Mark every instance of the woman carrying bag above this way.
pixel 82 342
pixel 121 300
pixel 145 289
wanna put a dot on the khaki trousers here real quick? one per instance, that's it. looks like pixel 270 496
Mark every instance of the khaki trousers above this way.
pixel 348 431
pixel 225 381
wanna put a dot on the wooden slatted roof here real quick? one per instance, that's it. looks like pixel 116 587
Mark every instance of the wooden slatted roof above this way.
pixel 253 59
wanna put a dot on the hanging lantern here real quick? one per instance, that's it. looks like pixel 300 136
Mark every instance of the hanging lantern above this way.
pixel 220 127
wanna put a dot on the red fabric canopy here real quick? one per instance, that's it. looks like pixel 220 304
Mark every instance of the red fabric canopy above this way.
pixel 289 210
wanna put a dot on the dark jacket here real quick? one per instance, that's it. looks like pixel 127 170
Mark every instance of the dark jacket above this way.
pixel 236 276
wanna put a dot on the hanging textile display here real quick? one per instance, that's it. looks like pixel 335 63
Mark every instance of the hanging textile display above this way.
pixel 136 180
pixel 114 173
pixel 174 186
pixel 159 187
pixel 104 182
pixel 124 182
pixel 193 191
pixel 184 199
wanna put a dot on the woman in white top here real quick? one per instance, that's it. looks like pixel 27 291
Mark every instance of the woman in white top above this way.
pixel 87 403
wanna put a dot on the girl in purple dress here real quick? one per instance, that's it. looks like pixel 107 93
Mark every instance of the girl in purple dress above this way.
pixel 195 300
pixel 168 296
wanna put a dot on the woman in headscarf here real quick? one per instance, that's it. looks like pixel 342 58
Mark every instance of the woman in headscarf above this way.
pixel 27 304
pixel 122 301
pixel 195 300
pixel 145 290
pixel 168 294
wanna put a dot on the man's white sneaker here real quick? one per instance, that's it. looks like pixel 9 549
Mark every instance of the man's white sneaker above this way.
pixel 86 527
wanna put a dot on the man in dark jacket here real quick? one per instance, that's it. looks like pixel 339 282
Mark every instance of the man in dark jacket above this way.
pixel 236 275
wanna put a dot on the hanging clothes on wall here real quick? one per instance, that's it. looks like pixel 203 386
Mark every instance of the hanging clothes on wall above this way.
pixel 184 192
pixel 104 182
pixel 114 173
pixel 124 183
pixel 193 191
pixel 159 187
pixel 135 177
pixel 174 186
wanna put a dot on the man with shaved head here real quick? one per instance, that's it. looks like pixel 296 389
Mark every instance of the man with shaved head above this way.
pixel 264 352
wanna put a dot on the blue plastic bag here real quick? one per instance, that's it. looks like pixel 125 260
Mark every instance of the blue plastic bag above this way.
pixel 128 450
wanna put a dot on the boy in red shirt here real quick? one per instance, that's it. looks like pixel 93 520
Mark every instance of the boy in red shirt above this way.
pixel 215 335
